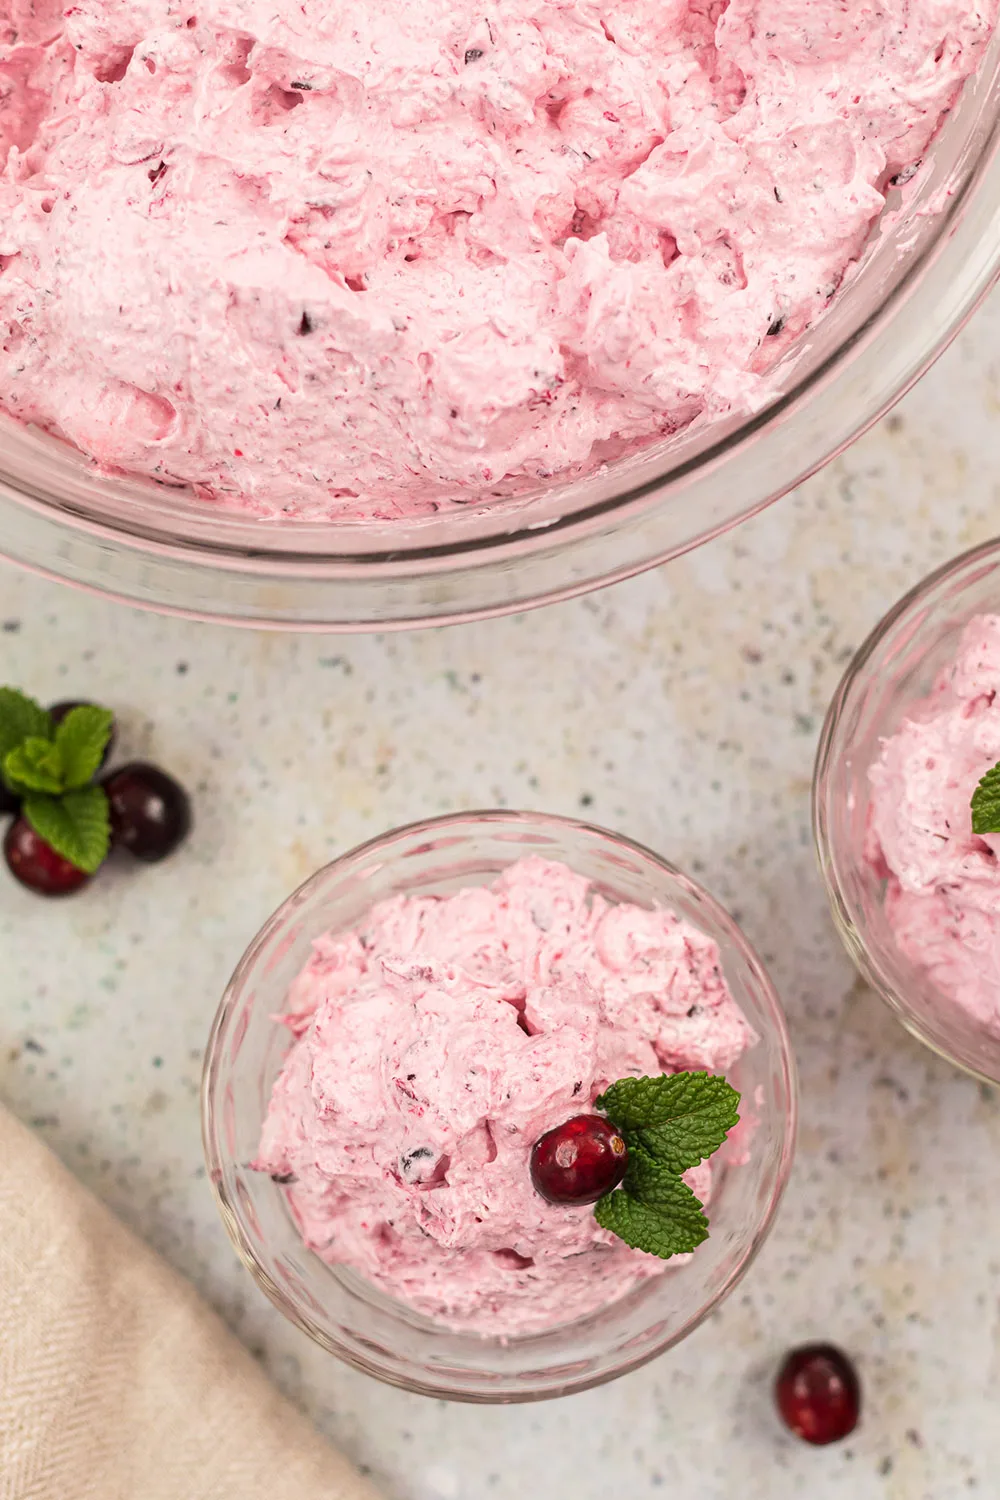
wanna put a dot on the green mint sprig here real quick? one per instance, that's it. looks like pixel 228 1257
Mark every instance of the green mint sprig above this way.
pixel 985 803
pixel 20 719
pixel 51 768
pixel 669 1124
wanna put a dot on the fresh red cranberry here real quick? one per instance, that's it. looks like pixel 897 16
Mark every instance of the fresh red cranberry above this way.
pixel 150 812
pixel 580 1161
pixel 37 865
pixel 818 1393
pixel 58 712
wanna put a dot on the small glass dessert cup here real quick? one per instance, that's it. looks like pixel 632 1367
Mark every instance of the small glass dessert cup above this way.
pixel 349 1316
pixel 890 675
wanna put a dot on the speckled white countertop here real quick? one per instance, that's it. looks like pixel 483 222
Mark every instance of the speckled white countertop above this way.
pixel 682 708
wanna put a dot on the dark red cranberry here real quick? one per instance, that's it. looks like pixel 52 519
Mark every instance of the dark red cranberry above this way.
pixel 150 812
pixel 580 1161
pixel 37 865
pixel 58 712
pixel 818 1393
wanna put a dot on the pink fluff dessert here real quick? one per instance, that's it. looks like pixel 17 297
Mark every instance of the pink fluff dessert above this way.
pixel 942 896
pixel 434 1047
pixel 369 260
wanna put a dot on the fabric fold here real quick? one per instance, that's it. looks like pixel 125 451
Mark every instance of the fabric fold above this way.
pixel 117 1382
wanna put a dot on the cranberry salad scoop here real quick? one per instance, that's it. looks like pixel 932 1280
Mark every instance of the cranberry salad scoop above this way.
pixel 487 1109
pixel 373 259
pixel 934 827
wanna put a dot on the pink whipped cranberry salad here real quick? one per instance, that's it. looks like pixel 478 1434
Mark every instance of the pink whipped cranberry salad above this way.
pixel 370 259
pixel 943 881
pixel 433 1048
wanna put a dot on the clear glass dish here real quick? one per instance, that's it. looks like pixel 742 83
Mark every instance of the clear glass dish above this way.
pixel 928 262
pixel 892 671
pixel 347 1315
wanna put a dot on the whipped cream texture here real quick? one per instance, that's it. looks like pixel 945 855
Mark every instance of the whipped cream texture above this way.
pixel 371 259
pixel 942 896
pixel 436 1045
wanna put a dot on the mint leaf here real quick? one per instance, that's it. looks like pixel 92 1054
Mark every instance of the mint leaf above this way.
pixel 679 1118
pixel 81 740
pixel 632 1103
pixel 985 803
pixel 650 1182
pixel 34 766
pixel 76 825
pixel 21 718
pixel 670 1222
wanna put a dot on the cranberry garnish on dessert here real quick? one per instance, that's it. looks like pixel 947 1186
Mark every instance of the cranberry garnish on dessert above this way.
pixel 49 759
pixel 580 1161
pixel 818 1393
pixel 150 812
pixel 657 1128
pixel 37 865
pixel 448 1108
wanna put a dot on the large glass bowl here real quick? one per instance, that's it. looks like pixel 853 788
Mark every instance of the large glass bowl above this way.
pixel 347 1315
pixel 928 262
pixel 892 672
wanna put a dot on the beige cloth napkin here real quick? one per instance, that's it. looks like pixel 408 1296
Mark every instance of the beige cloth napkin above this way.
pixel 116 1381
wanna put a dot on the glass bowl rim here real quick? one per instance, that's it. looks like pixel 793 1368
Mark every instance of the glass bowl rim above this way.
pixel 496 563
pixel 250 535
pixel 850 934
